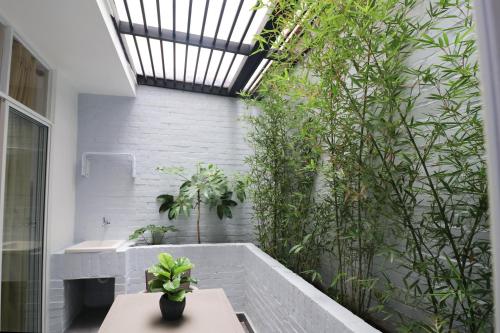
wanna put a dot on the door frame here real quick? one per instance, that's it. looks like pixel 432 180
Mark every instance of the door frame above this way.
pixel 6 102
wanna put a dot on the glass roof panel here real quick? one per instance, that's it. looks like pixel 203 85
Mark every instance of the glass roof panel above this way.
pixel 239 23
pixel 150 12
pixel 212 18
pixel 202 65
pixel 168 51
pixel 129 40
pixel 166 15
pixel 214 63
pixel 144 54
pixel 156 53
pixel 235 68
pixel 134 7
pixel 191 61
pixel 180 53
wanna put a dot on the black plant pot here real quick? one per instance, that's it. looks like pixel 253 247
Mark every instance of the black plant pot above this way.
pixel 171 310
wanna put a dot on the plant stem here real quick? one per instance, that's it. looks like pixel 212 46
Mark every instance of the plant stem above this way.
pixel 198 204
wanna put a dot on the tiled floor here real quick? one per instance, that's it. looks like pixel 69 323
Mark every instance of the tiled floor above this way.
pixel 90 319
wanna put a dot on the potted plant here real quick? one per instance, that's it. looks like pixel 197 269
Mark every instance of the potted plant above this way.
pixel 156 232
pixel 208 185
pixel 172 278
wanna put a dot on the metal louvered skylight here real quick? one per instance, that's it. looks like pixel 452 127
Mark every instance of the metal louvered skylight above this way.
pixel 196 45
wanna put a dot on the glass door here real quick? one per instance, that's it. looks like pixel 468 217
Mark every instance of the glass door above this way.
pixel 23 224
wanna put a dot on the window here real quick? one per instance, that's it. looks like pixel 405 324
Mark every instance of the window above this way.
pixel 29 79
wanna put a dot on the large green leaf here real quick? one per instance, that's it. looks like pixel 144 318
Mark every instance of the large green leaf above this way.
pixel 155 285
pixel 166 201
pixel 159 271
pixel 182 269
pixel 172 286
pixel 166 260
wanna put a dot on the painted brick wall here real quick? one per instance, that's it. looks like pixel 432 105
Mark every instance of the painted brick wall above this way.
pixel 162 127
pixel 275 299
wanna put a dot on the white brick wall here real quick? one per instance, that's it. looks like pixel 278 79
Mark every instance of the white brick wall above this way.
pixel 274 298
pixel 161 127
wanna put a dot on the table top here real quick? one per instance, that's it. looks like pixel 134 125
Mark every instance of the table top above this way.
pixel 207 311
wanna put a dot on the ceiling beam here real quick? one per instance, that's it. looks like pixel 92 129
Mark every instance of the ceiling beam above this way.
pixel 138 30
pixel 253 61
pixel 180 85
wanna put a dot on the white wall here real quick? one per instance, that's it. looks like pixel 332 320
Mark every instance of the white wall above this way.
pixel 61 218
pixel 162 127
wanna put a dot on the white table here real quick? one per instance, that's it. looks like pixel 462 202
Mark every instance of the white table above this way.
pixel 207 311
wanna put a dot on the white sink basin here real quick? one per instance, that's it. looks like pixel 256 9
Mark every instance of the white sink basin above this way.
pixel 95 246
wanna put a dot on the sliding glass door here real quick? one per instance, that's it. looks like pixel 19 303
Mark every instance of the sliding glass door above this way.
pixel 23 224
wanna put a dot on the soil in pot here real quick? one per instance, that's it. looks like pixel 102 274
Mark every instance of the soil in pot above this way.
pixel 171 310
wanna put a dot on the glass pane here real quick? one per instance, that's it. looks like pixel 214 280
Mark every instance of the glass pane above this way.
pixel 22 247
pixel 29 79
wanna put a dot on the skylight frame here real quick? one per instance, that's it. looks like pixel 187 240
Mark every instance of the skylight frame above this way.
pixel 231 60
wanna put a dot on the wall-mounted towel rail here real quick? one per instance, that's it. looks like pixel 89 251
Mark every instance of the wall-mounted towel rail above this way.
pixel 86 162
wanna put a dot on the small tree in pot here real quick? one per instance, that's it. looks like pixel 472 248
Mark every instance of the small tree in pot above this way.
pixel 171 278
pixel 209 186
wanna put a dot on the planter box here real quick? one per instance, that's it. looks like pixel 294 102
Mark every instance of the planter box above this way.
pixel 273 298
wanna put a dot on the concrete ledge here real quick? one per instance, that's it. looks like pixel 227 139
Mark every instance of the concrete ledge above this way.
pixel 274 298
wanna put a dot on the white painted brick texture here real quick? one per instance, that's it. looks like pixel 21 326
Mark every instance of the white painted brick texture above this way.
pixel 274 298
pixel 162 127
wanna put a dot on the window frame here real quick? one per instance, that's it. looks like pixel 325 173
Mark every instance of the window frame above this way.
pixel 6 101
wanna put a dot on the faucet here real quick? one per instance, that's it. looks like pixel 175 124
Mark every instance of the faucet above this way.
pixel 105 222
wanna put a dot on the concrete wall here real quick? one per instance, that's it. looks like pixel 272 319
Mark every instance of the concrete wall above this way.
pixel 162 127
pixel 274 299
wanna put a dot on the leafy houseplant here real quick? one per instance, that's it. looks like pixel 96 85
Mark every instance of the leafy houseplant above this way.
pixel 170 277
pixel 157 233
pixel 210 186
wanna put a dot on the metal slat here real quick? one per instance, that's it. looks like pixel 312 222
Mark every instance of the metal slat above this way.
pixel 174 33
pixel 161 42
pixel 228 71
pixel 249 23
pixel 147 38
pixel 135 39
pixel 227 42
pixel 150 81
pixel 254 55
pixel 187 46
pixel 207 4
pixel 245 32
pixel 216 33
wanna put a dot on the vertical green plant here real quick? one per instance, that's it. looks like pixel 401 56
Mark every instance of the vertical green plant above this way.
pixel 282 168
pixel 394 97
pixel 445 148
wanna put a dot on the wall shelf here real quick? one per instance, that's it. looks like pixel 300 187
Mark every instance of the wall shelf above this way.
pixel 86 162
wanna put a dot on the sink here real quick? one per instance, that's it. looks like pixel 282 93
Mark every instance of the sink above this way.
pixel 95 246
